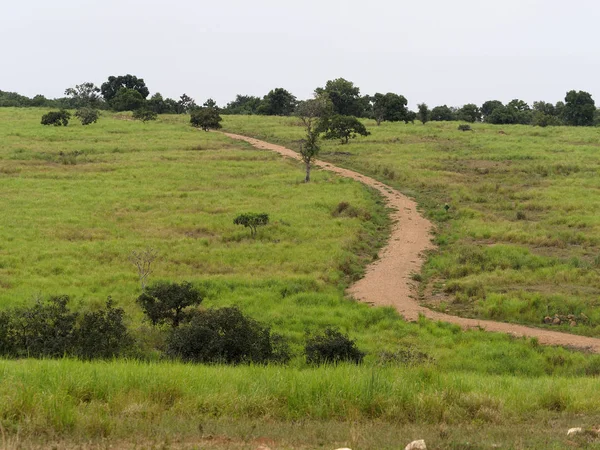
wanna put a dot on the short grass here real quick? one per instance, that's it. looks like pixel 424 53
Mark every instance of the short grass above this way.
pixel 521 240
pixel 71 221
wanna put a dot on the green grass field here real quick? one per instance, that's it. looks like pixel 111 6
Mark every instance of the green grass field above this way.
pixel 70 223
pixel 521 240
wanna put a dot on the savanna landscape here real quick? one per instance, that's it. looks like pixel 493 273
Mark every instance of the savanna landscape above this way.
pixel 162 286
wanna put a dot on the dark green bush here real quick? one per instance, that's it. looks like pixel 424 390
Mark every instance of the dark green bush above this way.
pixel 48 329
pixel 331 347
pixel 225 335
pixel 465 127
pixel 102 334
pixel 165 302
pixel 56 118
pixel 45 329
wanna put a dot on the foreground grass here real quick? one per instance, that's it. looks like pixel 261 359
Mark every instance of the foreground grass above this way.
pixel 73 220
pixel 521 240
pixel 124 400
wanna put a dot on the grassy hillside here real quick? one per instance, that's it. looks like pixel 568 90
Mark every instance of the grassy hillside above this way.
pixel 521 240
pixel 74 218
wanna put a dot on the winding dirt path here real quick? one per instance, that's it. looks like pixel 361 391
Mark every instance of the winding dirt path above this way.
pixel 387 281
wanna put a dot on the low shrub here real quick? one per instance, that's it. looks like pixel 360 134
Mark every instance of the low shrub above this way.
pixel 465 127
pixel 331 347
pixel 144 115
pixel 56 118
pixel 227 336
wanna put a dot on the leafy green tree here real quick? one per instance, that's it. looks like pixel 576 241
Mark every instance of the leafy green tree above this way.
pixel 85 95
pixel 488 108
pixel 469 113
pixel 278 102
pixel 111 88
pixel 127 100
pixel 345 97
pixel 157 104
pixel 344 128
pixel 87 115
pixel 210 103
pixel 389 107
pixel 540 119
pixel 166 303
pixel 56 118
pixel 410 117
pixel 515 112
pixel 206 118
pixel 579 109
pixel 243 105
pixel 39 101
pixel 144 114
pixel 424 114
pixel 442 113
pixel 314 114
pixel 252 221
pixel 186 104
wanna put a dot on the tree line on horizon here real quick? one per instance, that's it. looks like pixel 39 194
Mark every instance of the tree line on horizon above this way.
pixel 130 93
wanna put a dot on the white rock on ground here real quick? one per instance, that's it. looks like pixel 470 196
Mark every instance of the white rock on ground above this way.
pixel 573 431
pixel 416 445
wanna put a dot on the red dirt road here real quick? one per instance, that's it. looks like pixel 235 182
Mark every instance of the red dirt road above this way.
pixel 387 281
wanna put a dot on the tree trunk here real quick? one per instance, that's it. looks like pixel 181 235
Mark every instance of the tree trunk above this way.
pixel 307 179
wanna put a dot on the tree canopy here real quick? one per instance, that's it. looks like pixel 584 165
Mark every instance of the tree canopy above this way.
pixel 344 96
pixel 111 88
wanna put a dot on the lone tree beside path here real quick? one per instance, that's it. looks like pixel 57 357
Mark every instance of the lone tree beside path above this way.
pixel 313 113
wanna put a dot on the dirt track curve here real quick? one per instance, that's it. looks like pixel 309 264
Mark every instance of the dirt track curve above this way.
pixel 387 281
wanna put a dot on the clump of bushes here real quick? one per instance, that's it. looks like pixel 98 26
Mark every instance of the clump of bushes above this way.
pixel 56 118
pixel 225 335
pixel 464 127
pixel 49 329
pixel 332 347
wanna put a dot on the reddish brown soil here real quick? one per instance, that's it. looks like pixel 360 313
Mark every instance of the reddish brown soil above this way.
pixel 387 281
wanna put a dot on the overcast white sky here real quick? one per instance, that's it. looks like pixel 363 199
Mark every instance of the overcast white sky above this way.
pixel 434 51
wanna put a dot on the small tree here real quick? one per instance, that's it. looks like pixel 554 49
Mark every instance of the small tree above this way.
pixel 344 128
pixel 56 118
pixel 166 302
pixel 206 118
pixel 313 113
pixel 87 116
pixel 143 260
pixel 424 113
pixel 144 115
pixel 252 221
